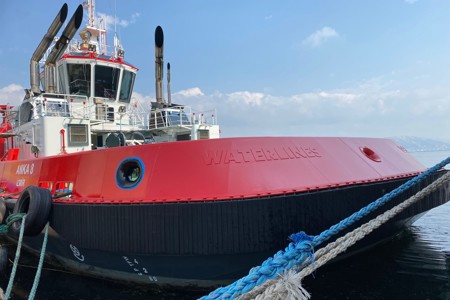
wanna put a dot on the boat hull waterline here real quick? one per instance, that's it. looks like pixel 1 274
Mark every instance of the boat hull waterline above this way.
pixel 191 238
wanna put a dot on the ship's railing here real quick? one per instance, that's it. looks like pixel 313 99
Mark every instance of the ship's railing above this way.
pixel 105 111
pixel 61 105
pixel 170 117
pixel 99 109
pixel 78 106
pixel 54 106
pixel 208 117
pixel 137 118
pixel 180 116
pixel 134 115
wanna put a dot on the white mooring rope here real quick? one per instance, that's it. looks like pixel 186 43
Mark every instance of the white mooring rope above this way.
pixel 288 285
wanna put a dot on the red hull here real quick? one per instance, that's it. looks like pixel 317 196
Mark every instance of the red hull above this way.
pixel 227 203
pixel 215 169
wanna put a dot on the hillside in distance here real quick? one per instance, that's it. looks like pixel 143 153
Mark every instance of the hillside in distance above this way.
pixel 419 144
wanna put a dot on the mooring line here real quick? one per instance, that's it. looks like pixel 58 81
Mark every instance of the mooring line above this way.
pixel 298 252
pixel 288 285
pixel 4 230
pixel 16 259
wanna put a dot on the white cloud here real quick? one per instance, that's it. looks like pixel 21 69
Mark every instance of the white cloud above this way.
pixel 320 36
pixel 12 94
pixel 377 108
pixel 410 1
pixel 193 92
pixel 143 101
pixel 110 21
pixel 248 98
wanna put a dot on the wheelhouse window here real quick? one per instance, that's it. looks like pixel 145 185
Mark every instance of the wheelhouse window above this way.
pixel 61 78
pixel 79 79
pixel 106 81
pixel 127 86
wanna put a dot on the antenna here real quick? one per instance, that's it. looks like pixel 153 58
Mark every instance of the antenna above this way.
pixel 169 94
pixel 118 49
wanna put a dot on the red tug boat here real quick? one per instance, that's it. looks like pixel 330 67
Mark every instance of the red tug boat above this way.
pixel 156 196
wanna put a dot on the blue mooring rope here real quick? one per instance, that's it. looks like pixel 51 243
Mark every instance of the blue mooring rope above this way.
pixel 302 246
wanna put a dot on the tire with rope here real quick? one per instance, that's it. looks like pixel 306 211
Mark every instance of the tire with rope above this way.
pixel 36 202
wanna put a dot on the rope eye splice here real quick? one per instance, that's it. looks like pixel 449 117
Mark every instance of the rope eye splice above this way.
pixel 32 209
pixel 307 241
pixel 289 266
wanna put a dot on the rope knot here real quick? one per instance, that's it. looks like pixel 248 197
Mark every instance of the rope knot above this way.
pixel 304 244
pixel 300 237
pixel 4 228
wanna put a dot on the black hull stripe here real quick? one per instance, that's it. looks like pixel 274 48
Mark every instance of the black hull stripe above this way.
pixel 220 227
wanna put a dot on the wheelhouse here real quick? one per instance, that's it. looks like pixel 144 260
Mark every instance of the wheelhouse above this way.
pixel 96 77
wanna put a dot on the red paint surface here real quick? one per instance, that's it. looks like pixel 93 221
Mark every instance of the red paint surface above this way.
pixel 215 169
pixel 92 56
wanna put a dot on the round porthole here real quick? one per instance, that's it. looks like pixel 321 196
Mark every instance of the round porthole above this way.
pixel 129 173
pixel 370 154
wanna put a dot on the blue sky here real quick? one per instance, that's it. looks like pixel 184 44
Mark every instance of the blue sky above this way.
pixel 273 68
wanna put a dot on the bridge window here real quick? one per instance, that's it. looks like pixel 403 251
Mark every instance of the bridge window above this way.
pixel 106 79
pixel 79 79
pixel 127 86
pixel 62 86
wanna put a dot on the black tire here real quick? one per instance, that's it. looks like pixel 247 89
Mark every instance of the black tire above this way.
pixel 36 202
pixel 3 262
pixel 3 210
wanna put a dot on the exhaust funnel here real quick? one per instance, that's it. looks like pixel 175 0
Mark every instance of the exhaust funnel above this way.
pixel 159 47
pixel 43 46
pixel 60 46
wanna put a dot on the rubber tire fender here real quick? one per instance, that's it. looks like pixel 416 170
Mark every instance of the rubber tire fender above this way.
pixel 3 261
pixel 36 202
pixel 3 210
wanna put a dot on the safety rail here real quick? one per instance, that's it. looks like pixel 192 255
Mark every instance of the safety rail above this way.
pixel 208 117
pixel 103 110
pixel 180 116
pixel 99 109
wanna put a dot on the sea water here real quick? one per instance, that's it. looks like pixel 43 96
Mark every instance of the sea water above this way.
pixel 415 265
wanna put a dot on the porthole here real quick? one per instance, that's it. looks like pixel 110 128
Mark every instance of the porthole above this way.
pixel 129 173
pixel 369 153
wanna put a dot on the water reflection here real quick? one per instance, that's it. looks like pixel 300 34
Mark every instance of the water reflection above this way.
pixel 414 265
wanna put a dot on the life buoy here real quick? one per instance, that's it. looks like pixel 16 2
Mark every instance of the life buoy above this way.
pixel 3 210
pixel 36 202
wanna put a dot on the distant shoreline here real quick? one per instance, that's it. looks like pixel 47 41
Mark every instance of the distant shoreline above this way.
pixel 418 144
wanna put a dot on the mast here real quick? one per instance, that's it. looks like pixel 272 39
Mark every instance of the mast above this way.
pixel 91 10
pixel 94 33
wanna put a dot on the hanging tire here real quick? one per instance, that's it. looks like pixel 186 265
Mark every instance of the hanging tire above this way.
pixel 36 202
pixel 3 261
pixel 3 210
